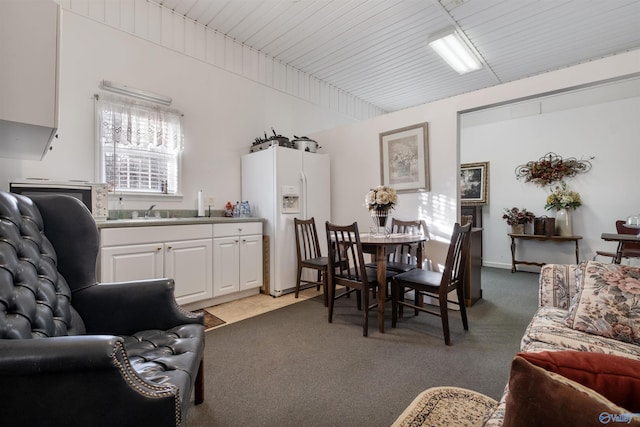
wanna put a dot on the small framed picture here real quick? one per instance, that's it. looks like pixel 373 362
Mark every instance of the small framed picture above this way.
pixel 474 183
pixel 404 159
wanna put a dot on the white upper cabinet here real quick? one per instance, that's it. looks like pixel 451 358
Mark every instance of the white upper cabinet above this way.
pixel 29 41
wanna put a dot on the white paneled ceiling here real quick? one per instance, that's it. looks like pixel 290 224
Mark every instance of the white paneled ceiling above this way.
pixel 376 49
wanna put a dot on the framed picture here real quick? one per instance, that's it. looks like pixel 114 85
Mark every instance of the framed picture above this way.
pixel 404 158
pixel 474 183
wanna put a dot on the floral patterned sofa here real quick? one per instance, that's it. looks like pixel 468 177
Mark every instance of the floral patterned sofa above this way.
pixel 590 307
pixel 579 362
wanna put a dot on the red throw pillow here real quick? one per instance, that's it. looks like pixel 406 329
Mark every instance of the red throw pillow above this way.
pixel 614 377
pixel 540 398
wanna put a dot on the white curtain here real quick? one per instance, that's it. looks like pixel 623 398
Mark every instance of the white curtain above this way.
pixel 140 144
pixel 138 125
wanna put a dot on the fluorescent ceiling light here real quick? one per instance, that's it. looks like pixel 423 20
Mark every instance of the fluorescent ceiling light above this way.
pixel 456 53
pixel 136 93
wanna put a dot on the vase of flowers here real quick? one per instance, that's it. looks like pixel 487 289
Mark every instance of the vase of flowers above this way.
pixel 380 201
pixel 517 218
pixel 564 201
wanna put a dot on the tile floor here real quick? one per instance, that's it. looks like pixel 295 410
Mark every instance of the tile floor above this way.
pixel 244 308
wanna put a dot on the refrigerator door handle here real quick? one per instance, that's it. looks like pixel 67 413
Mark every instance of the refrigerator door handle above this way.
pixel 303 179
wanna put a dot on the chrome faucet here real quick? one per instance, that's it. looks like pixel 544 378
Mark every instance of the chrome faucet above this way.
pixel 147 213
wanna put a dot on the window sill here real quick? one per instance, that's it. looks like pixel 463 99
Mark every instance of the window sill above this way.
pixel 145 196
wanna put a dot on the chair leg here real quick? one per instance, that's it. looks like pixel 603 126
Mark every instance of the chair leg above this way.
pixel 199 384
pixel 298 282
pixel 463 308
pixel 444 313
pixel 365 328
pixel 331 298
pixel 318 279
pixel 325 289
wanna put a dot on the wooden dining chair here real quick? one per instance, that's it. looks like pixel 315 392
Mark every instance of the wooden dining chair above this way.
pixel 310 256
pixel 404 257
pixel 347 268
pixel 435 284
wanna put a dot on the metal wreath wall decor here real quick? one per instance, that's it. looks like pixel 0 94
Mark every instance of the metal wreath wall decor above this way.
pixel 552 168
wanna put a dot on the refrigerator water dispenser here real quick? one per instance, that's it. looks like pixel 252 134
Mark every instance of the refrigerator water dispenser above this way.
pixel 290 199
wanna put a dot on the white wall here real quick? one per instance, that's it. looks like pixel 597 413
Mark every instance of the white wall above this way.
pixel 223 111
pixel 355 168
pixel 606 131
pixel 355 148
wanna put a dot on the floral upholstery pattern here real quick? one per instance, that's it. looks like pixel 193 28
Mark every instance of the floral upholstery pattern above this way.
pixel 608 302
pixel 548 331
pixel 561 289
pixel 558 284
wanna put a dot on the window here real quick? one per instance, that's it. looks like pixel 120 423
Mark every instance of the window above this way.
pixel 140 145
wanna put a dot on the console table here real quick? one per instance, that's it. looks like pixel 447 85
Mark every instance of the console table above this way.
pixel 539 238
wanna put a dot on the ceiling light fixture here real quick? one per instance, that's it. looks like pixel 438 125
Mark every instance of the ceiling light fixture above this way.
pixel 453 49
pixel 136 93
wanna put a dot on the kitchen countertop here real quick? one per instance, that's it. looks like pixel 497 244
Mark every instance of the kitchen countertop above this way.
pixel 153 221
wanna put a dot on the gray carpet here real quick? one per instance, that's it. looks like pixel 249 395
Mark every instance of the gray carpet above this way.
pixel 290 367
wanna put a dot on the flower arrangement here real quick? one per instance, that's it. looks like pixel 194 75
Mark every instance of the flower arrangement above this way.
pixel 563 198
pixel 551 168
pixel 381 198
pixel 515 216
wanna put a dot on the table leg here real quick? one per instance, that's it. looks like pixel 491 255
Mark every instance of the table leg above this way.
pixel 381 263
pixel 513 254
pixel 577 253
pixel 618 258
pixel 420 260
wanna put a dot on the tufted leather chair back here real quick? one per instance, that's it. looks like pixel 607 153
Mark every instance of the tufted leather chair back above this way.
pixel 35 299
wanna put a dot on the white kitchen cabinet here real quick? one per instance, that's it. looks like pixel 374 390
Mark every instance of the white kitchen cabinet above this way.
pixel 132 262
pixel 29 40
pixel 189 263
pixel 237 257
pixel 182 252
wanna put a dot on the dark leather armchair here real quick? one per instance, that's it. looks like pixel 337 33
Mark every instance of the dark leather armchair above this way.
pixel 77 352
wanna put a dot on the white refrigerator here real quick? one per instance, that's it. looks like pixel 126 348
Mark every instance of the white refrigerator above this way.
pixel 281 184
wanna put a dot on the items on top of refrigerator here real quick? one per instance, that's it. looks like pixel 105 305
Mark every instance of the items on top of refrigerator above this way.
pixel 299 142
pixel 261 144
pixel 305 144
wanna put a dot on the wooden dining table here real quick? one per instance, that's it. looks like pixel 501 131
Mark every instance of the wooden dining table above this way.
pixel 381 246
pixel 621 239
